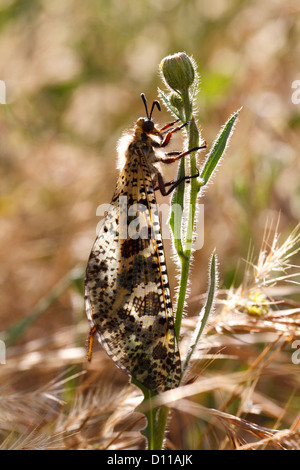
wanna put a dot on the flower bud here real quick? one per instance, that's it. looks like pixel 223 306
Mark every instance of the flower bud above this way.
pixel 176 102
pixel 178 71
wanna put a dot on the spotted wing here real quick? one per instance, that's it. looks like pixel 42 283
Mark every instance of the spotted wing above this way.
pixel 127 291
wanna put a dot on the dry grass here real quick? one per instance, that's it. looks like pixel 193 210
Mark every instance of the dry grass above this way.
pixel 243 372
pixel 74 72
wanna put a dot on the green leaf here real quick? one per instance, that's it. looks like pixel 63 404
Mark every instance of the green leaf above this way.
pixel 169 105
pixel 205 312
pixel 217 149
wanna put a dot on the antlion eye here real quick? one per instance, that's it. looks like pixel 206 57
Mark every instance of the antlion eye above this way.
pixel 148 126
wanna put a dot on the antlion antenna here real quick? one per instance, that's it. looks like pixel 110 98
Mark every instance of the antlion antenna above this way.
pixel 155 103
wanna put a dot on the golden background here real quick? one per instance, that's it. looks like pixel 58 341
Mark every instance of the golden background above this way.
pixel 74 72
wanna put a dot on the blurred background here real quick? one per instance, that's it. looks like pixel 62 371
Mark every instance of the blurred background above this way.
pixel 73 73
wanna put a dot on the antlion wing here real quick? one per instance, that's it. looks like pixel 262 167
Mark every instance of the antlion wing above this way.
pixel 127 290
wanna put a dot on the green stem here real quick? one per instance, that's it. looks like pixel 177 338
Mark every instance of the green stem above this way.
pixel 150 415
pixel 176 218
pixel 156 422
pixel 193 141
pixel 150 430
pixel 179 75
pixel 184 274
pixel 161 427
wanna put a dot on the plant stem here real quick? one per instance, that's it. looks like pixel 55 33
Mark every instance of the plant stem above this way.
pixel 150 430
pixel 156 419
pixel 203 317
pixel 179 75
pixel 161 427
pixel 193 141
pixel 150 415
